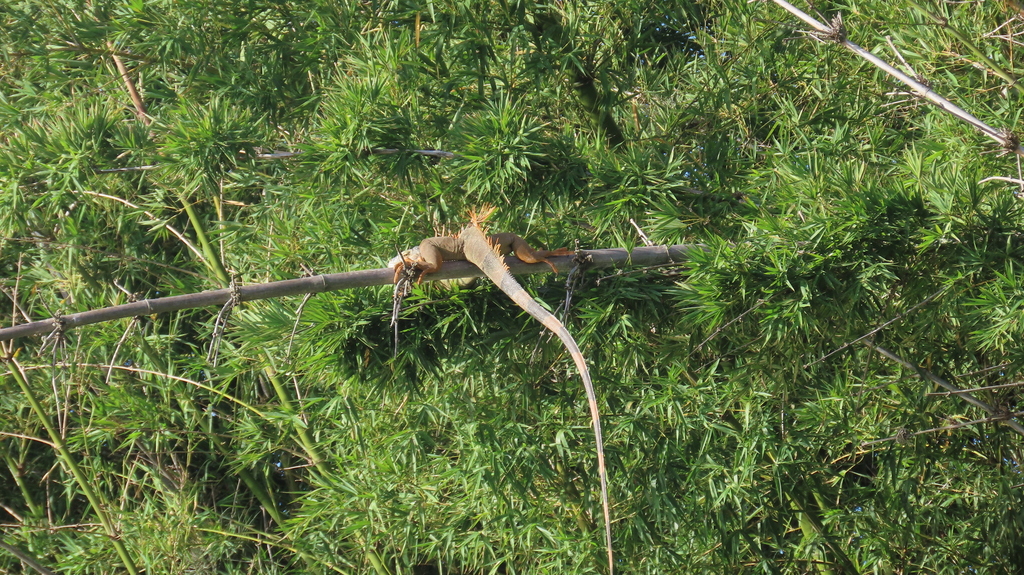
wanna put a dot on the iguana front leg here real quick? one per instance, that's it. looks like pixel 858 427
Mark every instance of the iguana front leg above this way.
pixel 429 255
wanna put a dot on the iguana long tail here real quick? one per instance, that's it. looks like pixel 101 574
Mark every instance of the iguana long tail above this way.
pixel 479 252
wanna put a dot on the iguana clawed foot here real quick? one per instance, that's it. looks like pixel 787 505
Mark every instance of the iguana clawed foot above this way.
pixel 410 266
pixel 411 270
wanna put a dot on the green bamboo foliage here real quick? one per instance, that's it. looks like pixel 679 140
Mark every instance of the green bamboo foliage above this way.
pixel 830 386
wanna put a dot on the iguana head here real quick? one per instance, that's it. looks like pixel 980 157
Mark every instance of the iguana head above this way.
pixel 409 255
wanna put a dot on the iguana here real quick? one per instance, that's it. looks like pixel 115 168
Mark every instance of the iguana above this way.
pixel 486 253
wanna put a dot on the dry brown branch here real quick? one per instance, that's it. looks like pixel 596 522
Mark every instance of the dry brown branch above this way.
pixel 140 106
pixel 835 33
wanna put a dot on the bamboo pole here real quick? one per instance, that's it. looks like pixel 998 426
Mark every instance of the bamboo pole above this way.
pixel 602 258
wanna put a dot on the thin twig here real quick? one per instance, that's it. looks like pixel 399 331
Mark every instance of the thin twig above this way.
pixel 168 227
pixel 640 232
pixel 724 326
pixel 29 437
pixel 925 374
pixel 131 325
pixel 905 435
pixel 888 40
pixel 877 329
pixel 983 370
pixel 222 394
pixel 1018 181
pixel 128 169
pixel 1001 179
pixel 432 153
pixel 973 389
pixel 16 306
pixel 295 326
pixel 115 255
pixel 117 348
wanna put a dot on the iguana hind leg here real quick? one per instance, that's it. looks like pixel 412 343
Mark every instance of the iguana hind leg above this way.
pixel 507 243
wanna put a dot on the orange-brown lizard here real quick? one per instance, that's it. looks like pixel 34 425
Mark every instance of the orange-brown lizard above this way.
pixel 486 253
